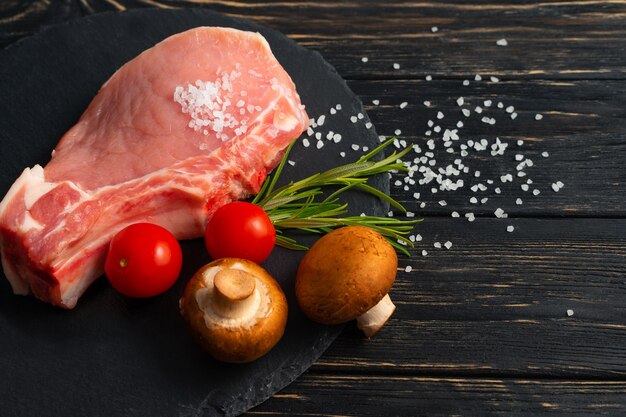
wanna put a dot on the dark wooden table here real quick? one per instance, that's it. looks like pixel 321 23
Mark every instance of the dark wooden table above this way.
pixel 525 322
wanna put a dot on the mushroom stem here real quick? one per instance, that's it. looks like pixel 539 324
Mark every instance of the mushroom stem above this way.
pixel 372 320
pixel 233 292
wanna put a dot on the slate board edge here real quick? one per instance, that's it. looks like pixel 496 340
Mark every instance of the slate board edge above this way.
pixel 260 390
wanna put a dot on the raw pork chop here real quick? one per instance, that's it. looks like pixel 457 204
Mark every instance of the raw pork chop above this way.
pixel 192 123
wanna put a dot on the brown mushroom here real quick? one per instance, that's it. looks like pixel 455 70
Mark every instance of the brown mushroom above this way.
pixel 347 274
pixel 234 309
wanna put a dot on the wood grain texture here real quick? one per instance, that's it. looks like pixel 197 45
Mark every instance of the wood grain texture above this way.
pixel 496 303
pixel 365 395
pixel 581 131
pixel 481 329
pixel 546 40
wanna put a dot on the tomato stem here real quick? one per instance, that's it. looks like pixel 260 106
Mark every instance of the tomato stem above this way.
pixel 123 262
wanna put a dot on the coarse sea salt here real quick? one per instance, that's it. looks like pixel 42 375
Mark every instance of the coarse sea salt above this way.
pixel 502 42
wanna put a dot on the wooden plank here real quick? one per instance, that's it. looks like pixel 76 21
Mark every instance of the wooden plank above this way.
pixel 582 131
pixel 365 395
pixel 496 303
pixel 545 40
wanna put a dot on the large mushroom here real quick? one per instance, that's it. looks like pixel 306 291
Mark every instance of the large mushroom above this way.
pixel 234 309
pixel 347 274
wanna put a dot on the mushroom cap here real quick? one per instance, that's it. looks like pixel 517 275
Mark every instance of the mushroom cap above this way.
pixel 232 341
pixel 344 274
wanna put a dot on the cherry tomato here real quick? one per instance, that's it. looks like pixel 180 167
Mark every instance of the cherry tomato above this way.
pixel 240 230
pixel 143 260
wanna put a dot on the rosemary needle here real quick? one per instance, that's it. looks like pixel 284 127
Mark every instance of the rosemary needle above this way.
pixel 304 205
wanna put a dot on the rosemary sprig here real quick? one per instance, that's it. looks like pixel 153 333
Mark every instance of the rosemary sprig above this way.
pixel 301 205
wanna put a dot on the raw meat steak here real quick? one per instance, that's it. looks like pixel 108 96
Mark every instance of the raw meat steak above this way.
pixel 192 123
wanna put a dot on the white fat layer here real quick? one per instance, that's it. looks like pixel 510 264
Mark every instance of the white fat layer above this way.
pixel 29 223
pixel 28 177
pixel 37 189
pixel 244 314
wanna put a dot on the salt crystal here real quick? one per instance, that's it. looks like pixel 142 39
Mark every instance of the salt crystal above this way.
pixel 440 115
pixel 545 154
pixel 510 109
pixel 466 112
pixel 429 78
pixel 424 252
pixel 478 109
pixel 396 66
pixel 536 192
pixel 376 102
pixel 460 101
pixel 443 203
pixel 448 244
pixel 560 184
pixel 368 125
pixel 555 188
pixel 519 157
pixel 305 142
pixel 497 190
pixel 426 103
pixel 360 116
pixel 434 29
pixel 510 228
pixel 487 103
pixel 570 312
pixel 502 42
pixel 364 59
pixel 538 116
pixel 494 79
pixel 333 111
pixel 353 119
pixel 437 245
pixel 342 154
pixel 355 147
pixel 408 268
pixel 519 202
pixel 320 144
pixel 470 217
pixel 484 200
pixel 466 83
pixel 477 77
pixel 513 116
pixel 418 238
pixel 403 104
pixel 520 142
pixel 459 124
pixel 455 214
pixel 524 187
pixel 290 162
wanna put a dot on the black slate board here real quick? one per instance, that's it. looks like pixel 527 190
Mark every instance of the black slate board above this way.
pixel 118 356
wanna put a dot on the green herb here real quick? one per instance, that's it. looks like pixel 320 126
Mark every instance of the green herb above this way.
pixel 302 205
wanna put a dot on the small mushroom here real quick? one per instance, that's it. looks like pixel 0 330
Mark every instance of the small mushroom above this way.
pixel 347 274
pixel 234 309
